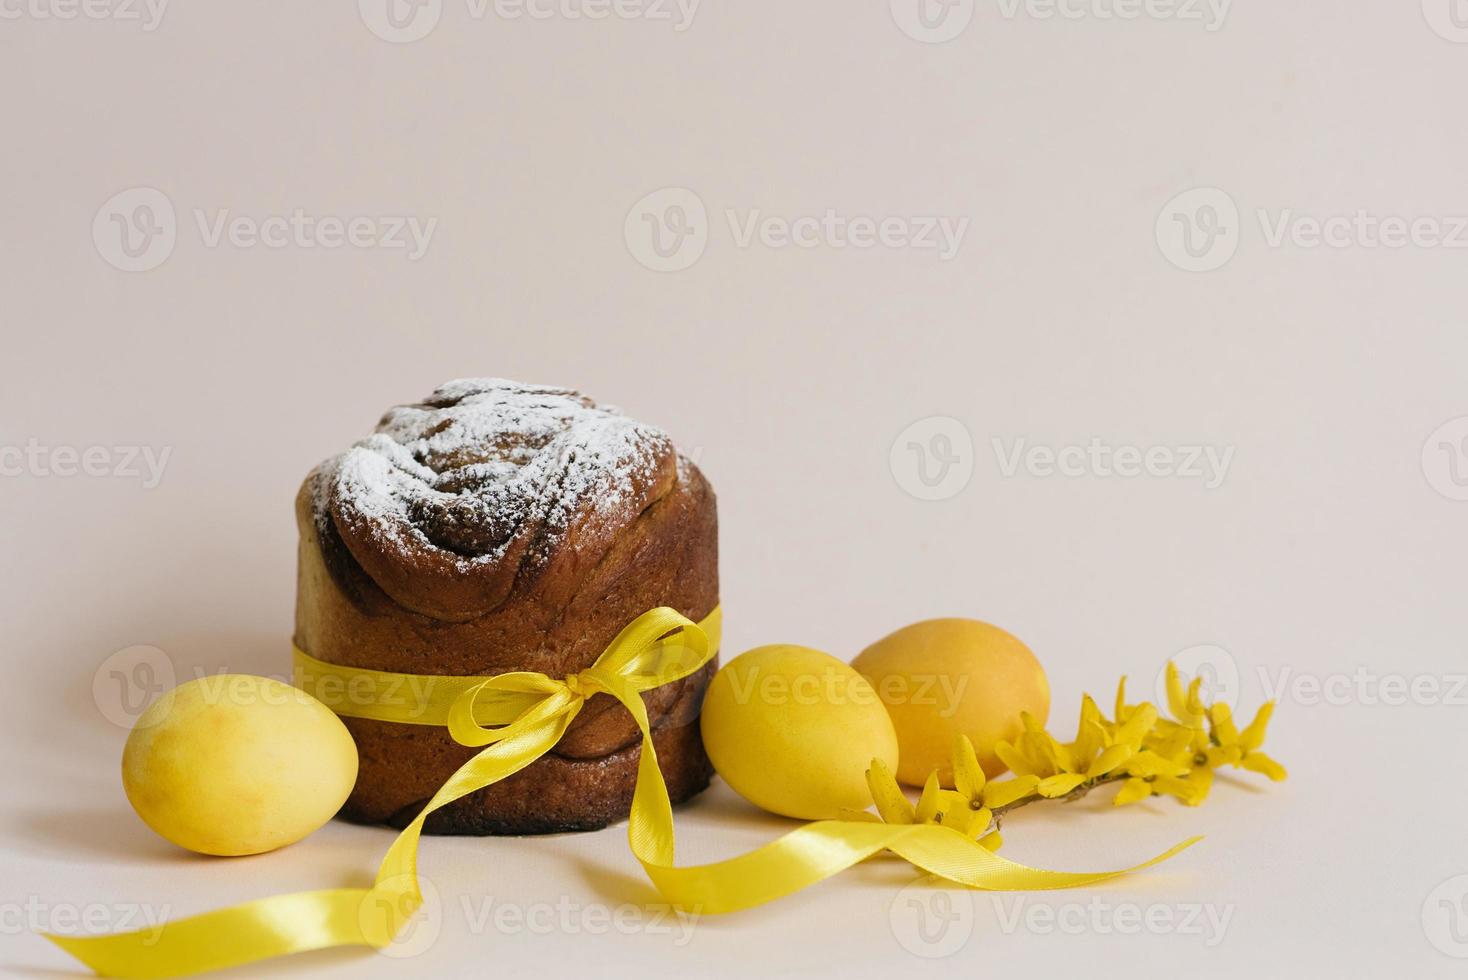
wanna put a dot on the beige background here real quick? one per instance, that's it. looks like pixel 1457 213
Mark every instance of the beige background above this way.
pixel 1333 544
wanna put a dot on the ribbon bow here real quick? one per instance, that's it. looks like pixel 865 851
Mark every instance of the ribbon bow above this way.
pixel 516 718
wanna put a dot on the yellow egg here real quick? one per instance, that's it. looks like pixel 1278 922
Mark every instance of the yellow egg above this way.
pixel 793 731
pixel 946 677
pixel 236 764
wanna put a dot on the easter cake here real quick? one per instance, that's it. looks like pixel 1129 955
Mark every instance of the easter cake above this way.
pixel 498 527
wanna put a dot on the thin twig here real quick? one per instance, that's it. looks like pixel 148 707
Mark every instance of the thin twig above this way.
pixel 1075 794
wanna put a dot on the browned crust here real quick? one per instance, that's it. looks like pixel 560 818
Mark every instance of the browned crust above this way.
pixel 556 621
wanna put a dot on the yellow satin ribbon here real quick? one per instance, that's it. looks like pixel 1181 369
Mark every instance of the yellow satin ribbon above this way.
pixel 517 718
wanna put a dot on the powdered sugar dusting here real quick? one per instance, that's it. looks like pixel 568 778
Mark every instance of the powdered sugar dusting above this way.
pixel 483 461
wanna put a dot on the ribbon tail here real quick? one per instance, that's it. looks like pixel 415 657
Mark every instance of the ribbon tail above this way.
pixel 820 850
pixel 227 937
pixel 282 924
pixel 962 861
pixel 814 852
pixel 801 858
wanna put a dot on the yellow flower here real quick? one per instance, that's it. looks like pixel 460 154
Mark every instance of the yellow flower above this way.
pixel 1034 752
pixel 1150 772
pixel 1185 752
pixel 1123 710
pixel 1186 788
pixel 1097 751
pixel 974 798
pixel 968 809
pixel 1241 749
pixel 1186 705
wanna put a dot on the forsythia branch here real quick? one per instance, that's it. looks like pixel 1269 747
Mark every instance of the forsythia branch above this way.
pixel 1136 747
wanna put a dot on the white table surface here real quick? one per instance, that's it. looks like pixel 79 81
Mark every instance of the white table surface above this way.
pixel 1328 554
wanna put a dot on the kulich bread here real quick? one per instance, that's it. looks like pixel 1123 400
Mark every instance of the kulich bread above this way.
pixel 497 527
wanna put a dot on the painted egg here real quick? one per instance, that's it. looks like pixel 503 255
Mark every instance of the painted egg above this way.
pixel 793 730
pixel 946 677
pixel 236 764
